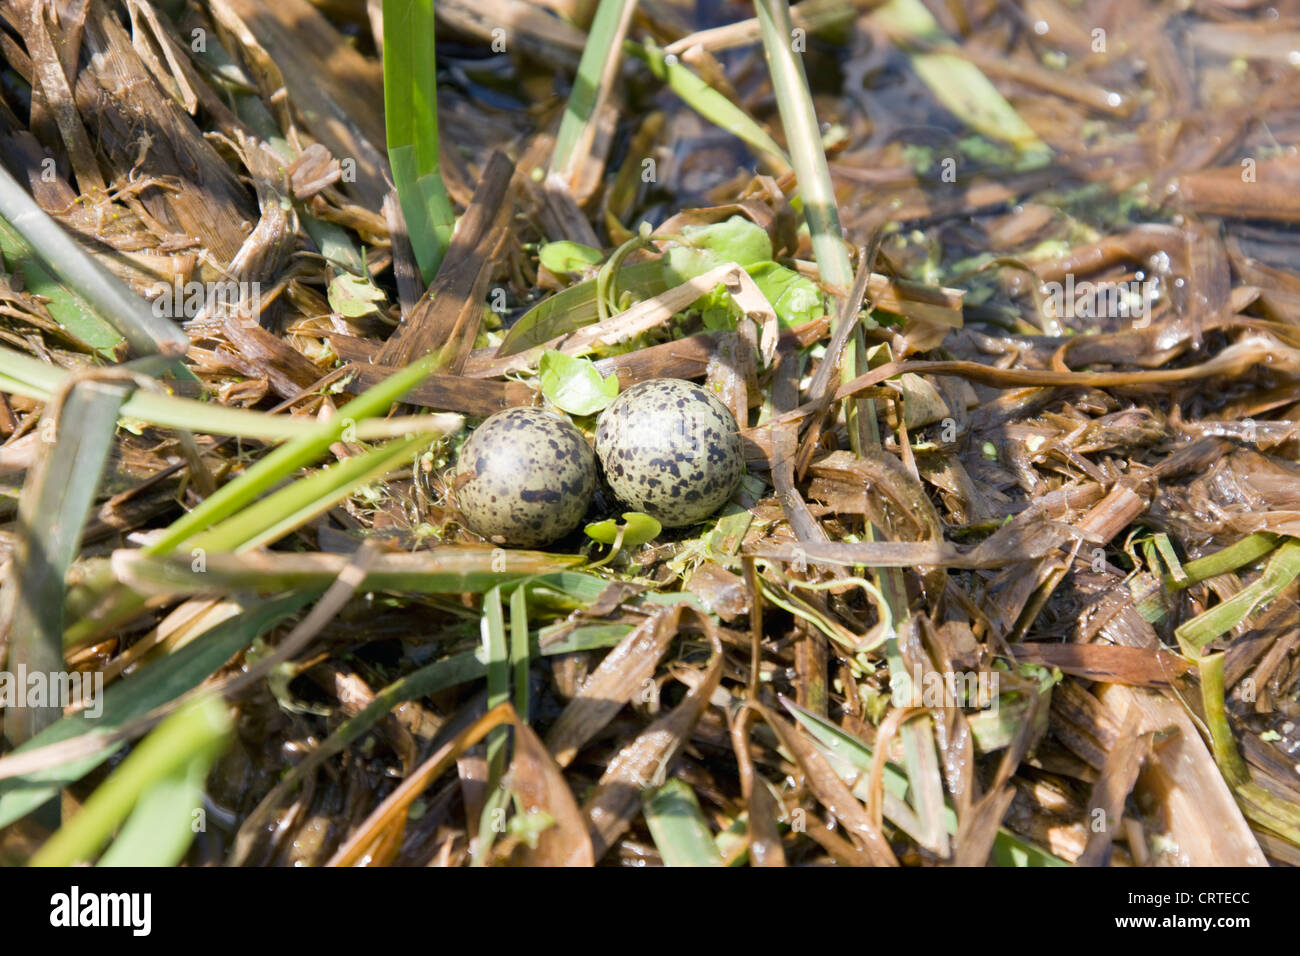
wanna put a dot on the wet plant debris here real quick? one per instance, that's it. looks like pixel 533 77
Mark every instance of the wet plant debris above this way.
pixel 615 433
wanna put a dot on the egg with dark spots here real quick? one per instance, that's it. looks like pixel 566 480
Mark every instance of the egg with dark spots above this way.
pixel 524 478
pixel 670 449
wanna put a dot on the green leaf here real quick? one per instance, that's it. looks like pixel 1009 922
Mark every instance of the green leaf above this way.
pixel 718 310
pixel 498 676
pixel 795 298
pixel 67 308
pixel 736 239
pixel 681 263
pixel 576 307
pixel 495 655
pixel 561 592
pixel 678 826
pixel 605 532
pixel 354 296
pixel 1246 551
pixel 587 638
pixel 638 528
pixel 565 257
pixel 82 276
pixel 575 384
pixel 1222 744
pixel 519 649
pixel 821 213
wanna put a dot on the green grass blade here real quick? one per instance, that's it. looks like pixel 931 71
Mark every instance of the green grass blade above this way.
pixel 289 457
pixel 807 155
pixel 1259 805
pixel 276 516
pixel 154 685
pixel 197 731
pixel 1246 551
pixel 1011 850
pixel 161 826
pixel 591 637
pixel 1280 571
pixel 293 506
pixel 803 133
pixel 519 649
pixel 851 760
pixel 497 657
pixel 56 500
pixel 446 570
pixel 922 759
pixel 1224 747
pixel 712 105
pixel 23 375
pixel 924 786
pixel 411 124
pixel 677 824
pixel 959 85
pixel 597 70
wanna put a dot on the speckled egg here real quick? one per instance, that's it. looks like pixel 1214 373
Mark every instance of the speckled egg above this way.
pixel 670 449
pixel 525 477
